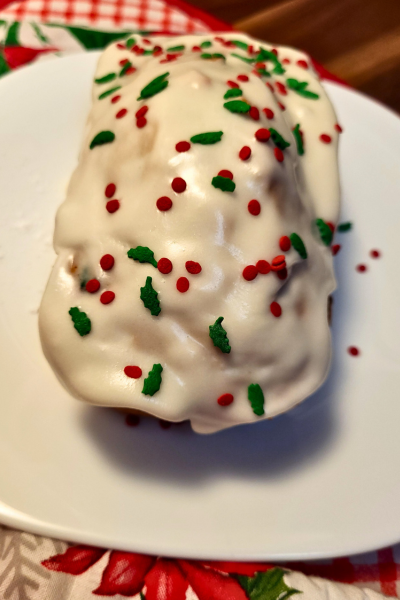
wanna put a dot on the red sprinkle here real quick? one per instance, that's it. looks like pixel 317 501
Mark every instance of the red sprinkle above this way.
pixel 254 113
pixel 121 46
pixel 225 400
pixel 130 71
pixel 325 138
pixel 123 62
pixel 164 265
pixel 242 78
pixel 245 153
pixel 335 249
pixel 107 262
pixel 262 135
pixel 133 371
pixel 282 274
pixel 164 424
pixel 254 207
pixel 141 112
pixel 278 263
pixel 226 173
pixel 232 84
pixel 375 254
pixel 193 267
pixel 250 272
pixel 274 51
pixel 331 226
pixel 353 351
pixel 110 190
pixel 182 285
pixel 281 106
pixel 285 243
pixel 270 86
pixel 132 420
pixel 92 286
pixel 196 49
pixel 182 146
pixel 115 99
pixel 157 52
pixel 275 308
pixel 178 185
pixel 281 88
pixel 164 203
pixel 112 206
pixel 278 154
pixel 121 113
pixel 302 63
pixel 107 297
pixel 338 128
pixel 141 122
pixel 286 61
pixel 263 267
pixel 268 113
pixel 361 268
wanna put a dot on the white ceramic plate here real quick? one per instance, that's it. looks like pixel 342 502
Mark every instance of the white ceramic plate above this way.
pixel 320 481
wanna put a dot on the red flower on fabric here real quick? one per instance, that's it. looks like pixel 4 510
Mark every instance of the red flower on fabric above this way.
pixel 128 573
pixel 16 56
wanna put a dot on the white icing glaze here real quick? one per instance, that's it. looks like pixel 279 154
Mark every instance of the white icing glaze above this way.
pixel 288 356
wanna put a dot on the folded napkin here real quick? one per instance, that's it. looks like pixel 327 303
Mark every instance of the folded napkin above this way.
pixel 37 568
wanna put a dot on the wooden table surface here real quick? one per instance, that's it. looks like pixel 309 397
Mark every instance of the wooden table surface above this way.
pixel 357 40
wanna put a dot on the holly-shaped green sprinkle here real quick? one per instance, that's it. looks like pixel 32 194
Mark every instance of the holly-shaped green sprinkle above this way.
pixel 131 42
pixel 249 61
pixel 80 320
pixel 154 87
pixel 278 140
pixel 268 55
pixel 176 48
pixel 300 87
pixel 223 183
pixel 205 44
pixel 298 244
pixel 211 137
pixel 143 254
pixel 109 92
pixel 153 381
pixel 299 140
pixel 240 44
pixel 233 93
pixel 256 399
pixel 106 78
pixel 208 56
pixel 104 137
pixel 343 227
pixel 124 69
pixel 324 231
pixel 149 297
pixel 219 336
pixel 237 106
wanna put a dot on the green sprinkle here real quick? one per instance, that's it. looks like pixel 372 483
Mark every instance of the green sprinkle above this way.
pixel 176 48
pixel 211 137
pixel 237 106
pixel 148 295
pixel 343 227
pixel 300 87
pixel 106 78
pixel 131 42
pixel 264 73
pixel 241 45
pixel 233 93
pixel 278 69
pixel 153 381
pixel 298 245
pixel 148 52
pixel 154 87
pixel 299 140
pixel 223 183
pixel 80 320
pixel 104 137
pixel 278 140
pixel 256 399
pixel 143 254
pixel 249 61
pixel 268 55
pixel 219 336
pixel 109 92
pixel 208 56
pixel 205 44
pixel 125 68
pixel 324 231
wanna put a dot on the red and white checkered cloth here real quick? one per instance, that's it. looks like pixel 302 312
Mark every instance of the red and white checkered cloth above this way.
pixel 378 570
